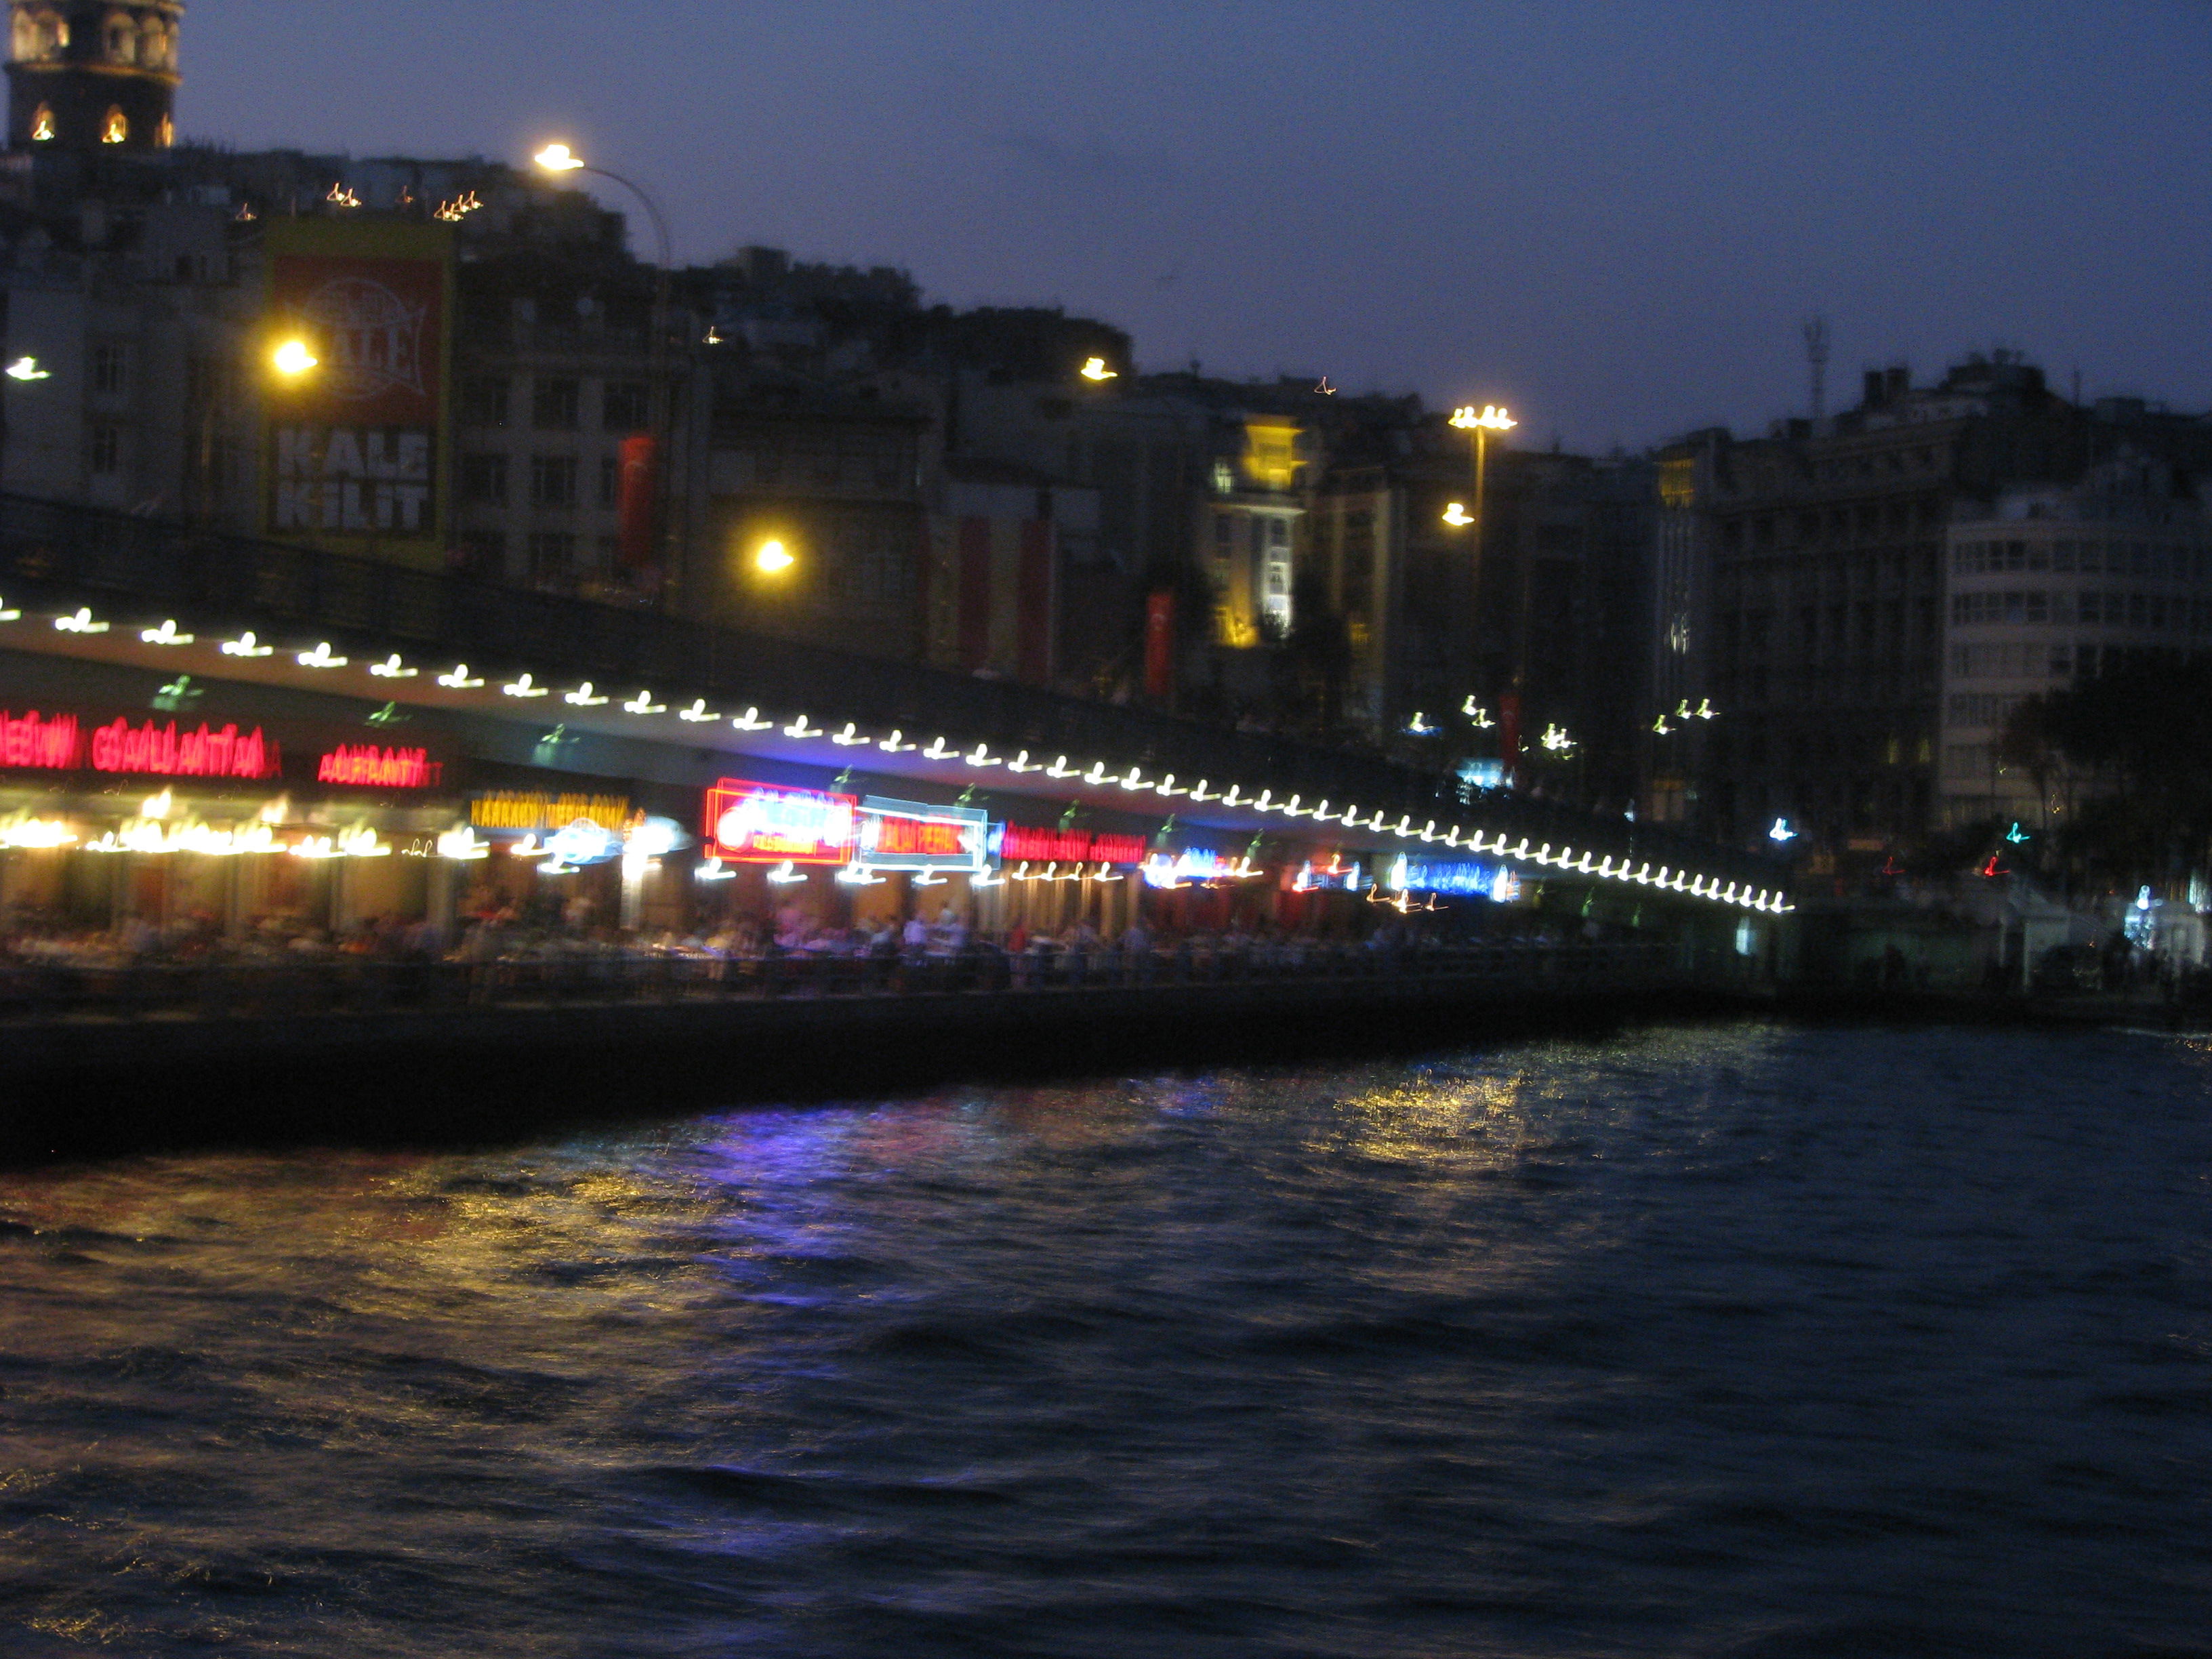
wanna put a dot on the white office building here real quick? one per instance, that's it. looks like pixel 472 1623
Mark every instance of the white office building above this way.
pixel 2052 586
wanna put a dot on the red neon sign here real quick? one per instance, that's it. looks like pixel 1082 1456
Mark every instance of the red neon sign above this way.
pixel 382 769
pixel 30 740
pixel 57 743
pixel 1071 846
pixel 929 838
pixel 767 824
pixel 167 752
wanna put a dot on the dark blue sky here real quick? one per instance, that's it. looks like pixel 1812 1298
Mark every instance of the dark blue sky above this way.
pixel 1613 216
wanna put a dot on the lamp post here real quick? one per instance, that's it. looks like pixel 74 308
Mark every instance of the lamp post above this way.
pixel 559 158
pixel 1493 418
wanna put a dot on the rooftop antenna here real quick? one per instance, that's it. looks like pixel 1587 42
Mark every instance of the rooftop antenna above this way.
pixel 1816 355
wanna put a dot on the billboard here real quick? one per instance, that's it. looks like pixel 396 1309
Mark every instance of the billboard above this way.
pixel 356 454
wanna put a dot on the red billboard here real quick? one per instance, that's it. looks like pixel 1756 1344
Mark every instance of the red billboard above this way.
pixel 357 410
pixel 767 824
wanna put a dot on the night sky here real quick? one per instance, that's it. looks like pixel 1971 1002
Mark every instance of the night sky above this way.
pixel 1613 216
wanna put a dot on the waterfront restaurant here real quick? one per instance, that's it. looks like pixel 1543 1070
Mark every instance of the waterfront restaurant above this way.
pixel 106 814
pixel 211 818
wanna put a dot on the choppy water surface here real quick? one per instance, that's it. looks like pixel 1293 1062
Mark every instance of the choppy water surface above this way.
pixel 1749 1342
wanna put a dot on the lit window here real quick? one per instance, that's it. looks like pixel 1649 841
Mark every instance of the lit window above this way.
pixel 166 134
pixel 117 129
pixel 42 125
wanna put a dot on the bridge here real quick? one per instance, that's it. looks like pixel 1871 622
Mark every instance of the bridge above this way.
pixel 632 691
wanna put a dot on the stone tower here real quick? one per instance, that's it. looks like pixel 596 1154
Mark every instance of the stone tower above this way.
pixel 97 76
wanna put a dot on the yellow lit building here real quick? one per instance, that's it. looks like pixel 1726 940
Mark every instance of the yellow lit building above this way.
pixel 1251 529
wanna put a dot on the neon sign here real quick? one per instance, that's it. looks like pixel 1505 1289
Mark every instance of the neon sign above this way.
pixel 1192 864
pixel 367 764
pixel 768 824
pixel 582 842
pixel 57 743
pixel 512 809
pixel 1019 842
pixel 1491 881
pixel 906 834
pixel 166 752
pixel 31 740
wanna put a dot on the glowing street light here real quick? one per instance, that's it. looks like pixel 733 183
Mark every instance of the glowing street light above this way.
pixel 773 557
pixel 1493 418
pixel 27 368
pixel 558 158
pixel 293 358
pixel 1095 369
pixel 1456 514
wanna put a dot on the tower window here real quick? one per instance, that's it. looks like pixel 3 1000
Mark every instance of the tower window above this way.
pixel 166 134
pixel 42 125
pixel 39 35
pixel 117 129
pixel 122 44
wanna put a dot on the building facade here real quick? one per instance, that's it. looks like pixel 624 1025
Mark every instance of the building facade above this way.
pixel 2051 587
pixel 1828 587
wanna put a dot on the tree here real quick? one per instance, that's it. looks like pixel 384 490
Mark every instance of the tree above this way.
pixel 2135 747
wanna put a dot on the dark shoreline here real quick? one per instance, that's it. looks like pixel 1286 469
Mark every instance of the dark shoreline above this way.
pixel 91 1088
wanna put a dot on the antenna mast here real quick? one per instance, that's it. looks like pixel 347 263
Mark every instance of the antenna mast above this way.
pixel 1816 355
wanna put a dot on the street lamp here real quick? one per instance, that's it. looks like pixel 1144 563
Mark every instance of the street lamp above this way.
pixel 772 557
pixel 1493 418
pixel 559 159
pixel 293 358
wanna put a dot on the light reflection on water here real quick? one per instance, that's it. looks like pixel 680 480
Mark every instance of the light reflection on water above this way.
pixel 1748 1341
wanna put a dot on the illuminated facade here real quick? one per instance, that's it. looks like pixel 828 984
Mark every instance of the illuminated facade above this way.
pixel 1251 530
pixel 93 75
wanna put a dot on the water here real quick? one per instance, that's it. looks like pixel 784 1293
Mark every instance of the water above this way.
pixel 1747 1342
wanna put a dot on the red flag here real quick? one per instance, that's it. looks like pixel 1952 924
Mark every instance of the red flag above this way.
pixel 640 460
pixel 1159 645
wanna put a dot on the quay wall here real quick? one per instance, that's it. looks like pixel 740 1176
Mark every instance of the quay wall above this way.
pixel 90 1085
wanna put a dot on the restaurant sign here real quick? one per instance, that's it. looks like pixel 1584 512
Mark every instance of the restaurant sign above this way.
pixel 767 824
pixel 533 811
pixel 367 765
pixel 60 743
pixel 909 835
pixel 1019 843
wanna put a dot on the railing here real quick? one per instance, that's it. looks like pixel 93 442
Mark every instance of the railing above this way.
pixel 76 555
pixel 220 989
